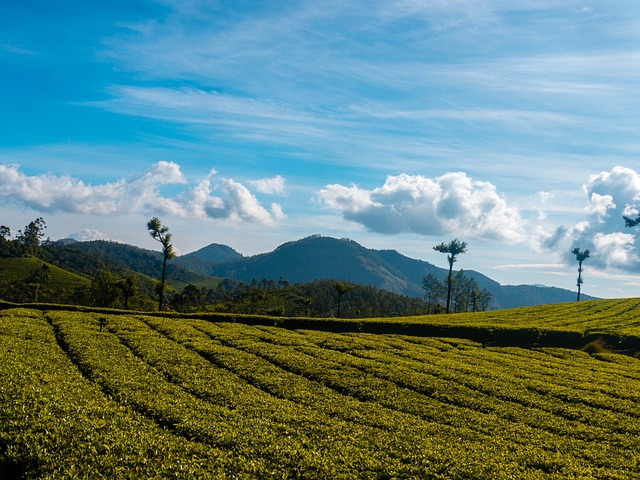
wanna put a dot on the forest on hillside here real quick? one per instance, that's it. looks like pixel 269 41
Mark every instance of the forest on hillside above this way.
pixel 113 275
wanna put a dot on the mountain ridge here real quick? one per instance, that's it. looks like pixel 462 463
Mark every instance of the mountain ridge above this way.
pixel 320 257
pixel 315 257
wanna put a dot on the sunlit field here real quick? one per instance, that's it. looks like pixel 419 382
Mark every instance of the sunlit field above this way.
pixel 94 395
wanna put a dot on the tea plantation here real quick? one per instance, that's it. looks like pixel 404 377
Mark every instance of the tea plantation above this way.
pixel 96 395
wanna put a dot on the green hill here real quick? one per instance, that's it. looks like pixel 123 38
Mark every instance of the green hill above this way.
pixel 59 279
pixel 86 258
pixel 99 395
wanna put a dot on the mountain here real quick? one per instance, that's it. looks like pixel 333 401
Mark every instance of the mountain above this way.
pixel 318 257
pixel 311 258
pixel 204 260
pixel 86 258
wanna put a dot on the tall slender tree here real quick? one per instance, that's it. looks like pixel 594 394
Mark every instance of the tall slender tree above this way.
pixel 581 256
pixel 162 235
pixel 454 248
pixel 341 289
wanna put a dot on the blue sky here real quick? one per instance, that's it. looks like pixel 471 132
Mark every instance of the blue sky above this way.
pixel 511 125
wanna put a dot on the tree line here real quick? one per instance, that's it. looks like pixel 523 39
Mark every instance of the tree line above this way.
pixel 121 288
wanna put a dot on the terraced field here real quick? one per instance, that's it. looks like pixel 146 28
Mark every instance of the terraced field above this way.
pixel 87 395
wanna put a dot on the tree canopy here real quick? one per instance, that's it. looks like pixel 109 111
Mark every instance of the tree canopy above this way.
pixel 454 248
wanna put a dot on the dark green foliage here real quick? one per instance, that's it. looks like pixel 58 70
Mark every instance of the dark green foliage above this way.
pixel 465 296
pixel 596 346
pixel 25 280
pixel 315 299
pixel 129 288
pixel 203 261
pixel 191 299
pixel 26 243
pixel 38 280
pixel 341 289
pixel 104 289
pixel 86 258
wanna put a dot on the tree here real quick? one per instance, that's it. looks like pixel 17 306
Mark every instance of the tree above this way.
pixel 29 240
pixel 104 289
pixel 191 299
pixel 581 256
pixel 128 287
pixel 434 291
pixel 37 279
pixel 6 245
pixel 453 249
pixel 162 235
pixel 342 288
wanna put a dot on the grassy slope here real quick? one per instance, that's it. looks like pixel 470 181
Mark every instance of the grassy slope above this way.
pixel 570 325
pixel 151 397
pixel 615 317
pixel 59 279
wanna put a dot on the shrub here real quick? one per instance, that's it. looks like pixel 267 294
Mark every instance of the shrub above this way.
pixel 596 346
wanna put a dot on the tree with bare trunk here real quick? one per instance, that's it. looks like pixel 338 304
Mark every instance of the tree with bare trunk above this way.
pixel 581 256
pixel 454 248
pixel 162 235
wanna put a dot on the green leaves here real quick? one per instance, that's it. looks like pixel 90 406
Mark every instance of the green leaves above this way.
pixel 152 397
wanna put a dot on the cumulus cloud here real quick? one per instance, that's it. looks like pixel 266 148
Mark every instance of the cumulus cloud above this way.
pixel 50 193
pixel 609 196
pixel 236 203
pixel 452 204
pixel 88 234
pixel 271 186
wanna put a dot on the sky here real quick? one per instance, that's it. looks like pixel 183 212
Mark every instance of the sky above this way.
pixel 511 125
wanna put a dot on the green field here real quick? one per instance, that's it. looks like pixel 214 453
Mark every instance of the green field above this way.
pixel 153 397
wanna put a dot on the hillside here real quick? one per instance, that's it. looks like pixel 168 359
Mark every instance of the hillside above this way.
pixel 113 396
pixel 86 258
pixel 318 257
pixel 302 261
pixel 59 279
pixel 204 260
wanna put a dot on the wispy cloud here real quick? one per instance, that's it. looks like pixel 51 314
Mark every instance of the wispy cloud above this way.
pixel 16 49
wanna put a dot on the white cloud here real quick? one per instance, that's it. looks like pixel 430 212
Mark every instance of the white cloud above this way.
pixel 271 186
pixel 87 235
pixel 610 195
pixel 616 249
pixel 452 204
pixel 49 193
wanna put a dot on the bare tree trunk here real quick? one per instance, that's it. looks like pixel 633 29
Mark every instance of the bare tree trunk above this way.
pixel 164 269
pixel 449 282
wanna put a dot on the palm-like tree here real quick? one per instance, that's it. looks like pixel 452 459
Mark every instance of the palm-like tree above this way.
pixel 581 256
pixel 162 235
pixel 453 249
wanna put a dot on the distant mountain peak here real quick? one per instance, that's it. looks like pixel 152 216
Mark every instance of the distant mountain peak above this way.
pixel 215 251
pixel 319 257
